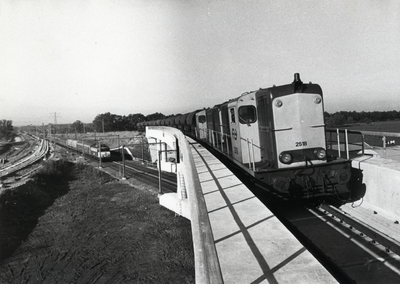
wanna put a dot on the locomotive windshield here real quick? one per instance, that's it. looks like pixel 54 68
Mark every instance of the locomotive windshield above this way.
pixel 247 114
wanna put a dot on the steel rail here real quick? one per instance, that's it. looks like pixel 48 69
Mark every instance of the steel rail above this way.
pixel 145 173
pixel 386 241
pixel 37 155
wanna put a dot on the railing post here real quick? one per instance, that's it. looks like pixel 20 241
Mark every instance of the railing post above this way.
pixel 227 144
pixel 99 154
pixel 338 141
pixel 166 152
pixel 248 152
pixel 347 144
pixel 214 138
pixel 123 162
pixel 384 146
pixel 159 172
pixel 254 160
pixel 142 150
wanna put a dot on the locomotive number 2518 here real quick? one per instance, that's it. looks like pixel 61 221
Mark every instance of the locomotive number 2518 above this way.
pixel 302 143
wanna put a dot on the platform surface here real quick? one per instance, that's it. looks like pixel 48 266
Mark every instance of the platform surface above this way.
pixel 252 244
pixel 392 152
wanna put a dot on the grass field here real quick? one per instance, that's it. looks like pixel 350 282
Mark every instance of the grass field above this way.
pixel 381 126
pixel 378 126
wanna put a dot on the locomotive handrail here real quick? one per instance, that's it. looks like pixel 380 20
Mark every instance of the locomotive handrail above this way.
pixel 283 129
pixel 363 133
pixel 212 140
pixel 318 125
pixel 247 140
pixel 345 142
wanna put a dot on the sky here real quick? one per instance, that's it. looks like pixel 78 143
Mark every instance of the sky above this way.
pixel 74 59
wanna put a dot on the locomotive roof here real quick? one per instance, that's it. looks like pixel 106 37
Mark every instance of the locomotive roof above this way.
pixel 297 86
pixel 289 89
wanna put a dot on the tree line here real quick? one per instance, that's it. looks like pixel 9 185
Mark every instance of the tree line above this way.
pixel 350 117
pixel 6 128
pixel 107 122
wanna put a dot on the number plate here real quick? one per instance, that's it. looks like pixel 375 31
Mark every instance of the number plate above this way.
pixel 301 144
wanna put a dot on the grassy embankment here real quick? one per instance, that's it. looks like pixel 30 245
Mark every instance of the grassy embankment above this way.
pixel 21 207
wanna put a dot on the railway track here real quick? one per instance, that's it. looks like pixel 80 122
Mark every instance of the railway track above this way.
pixel 353 251
pixel 377 236
pixel 24 160
pixel 133 169
pixel 145 174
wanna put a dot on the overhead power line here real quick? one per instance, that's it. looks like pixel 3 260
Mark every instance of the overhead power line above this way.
pixel 55 115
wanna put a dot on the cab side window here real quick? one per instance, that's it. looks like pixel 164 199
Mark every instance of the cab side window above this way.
pixel 247 114
pixel 202 118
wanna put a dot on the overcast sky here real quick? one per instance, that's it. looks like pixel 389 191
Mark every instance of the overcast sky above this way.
pixel 78 59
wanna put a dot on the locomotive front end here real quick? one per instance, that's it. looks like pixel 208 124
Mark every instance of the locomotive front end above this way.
pixel 299 128
pixel 292 130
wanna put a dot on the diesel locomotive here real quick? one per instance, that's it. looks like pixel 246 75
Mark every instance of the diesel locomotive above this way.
pixel 276 135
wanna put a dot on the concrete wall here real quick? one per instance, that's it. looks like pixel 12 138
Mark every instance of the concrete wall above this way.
pixel 382 179
pixel 207 268
pixel 168 159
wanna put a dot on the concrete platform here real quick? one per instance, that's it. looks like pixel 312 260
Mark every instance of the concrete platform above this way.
pixel 251 243
pixel 382 178
pixel 392 152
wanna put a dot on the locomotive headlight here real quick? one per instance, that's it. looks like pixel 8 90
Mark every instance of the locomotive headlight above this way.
pixel 278 103
pixel 320 153
pixel 285 158
pixel 318 100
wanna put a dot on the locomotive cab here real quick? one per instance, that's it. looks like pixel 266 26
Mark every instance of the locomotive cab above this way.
pixel 201 123
pixel 244 129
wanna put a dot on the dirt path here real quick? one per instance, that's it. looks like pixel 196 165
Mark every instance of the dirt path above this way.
pixel 96 230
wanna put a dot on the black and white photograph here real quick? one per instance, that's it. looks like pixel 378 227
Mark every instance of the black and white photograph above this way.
pixel 188 141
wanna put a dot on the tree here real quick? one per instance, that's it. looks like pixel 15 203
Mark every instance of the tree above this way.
pixel 109 122
pixel 103 122
pixel 77 126
pixel 132 120
pixel 154 116
pixel 350 120
pixel 6 128
pixel 336 119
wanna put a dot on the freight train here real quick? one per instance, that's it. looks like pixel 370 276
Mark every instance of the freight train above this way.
pixel 101 151
pixel 277 136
